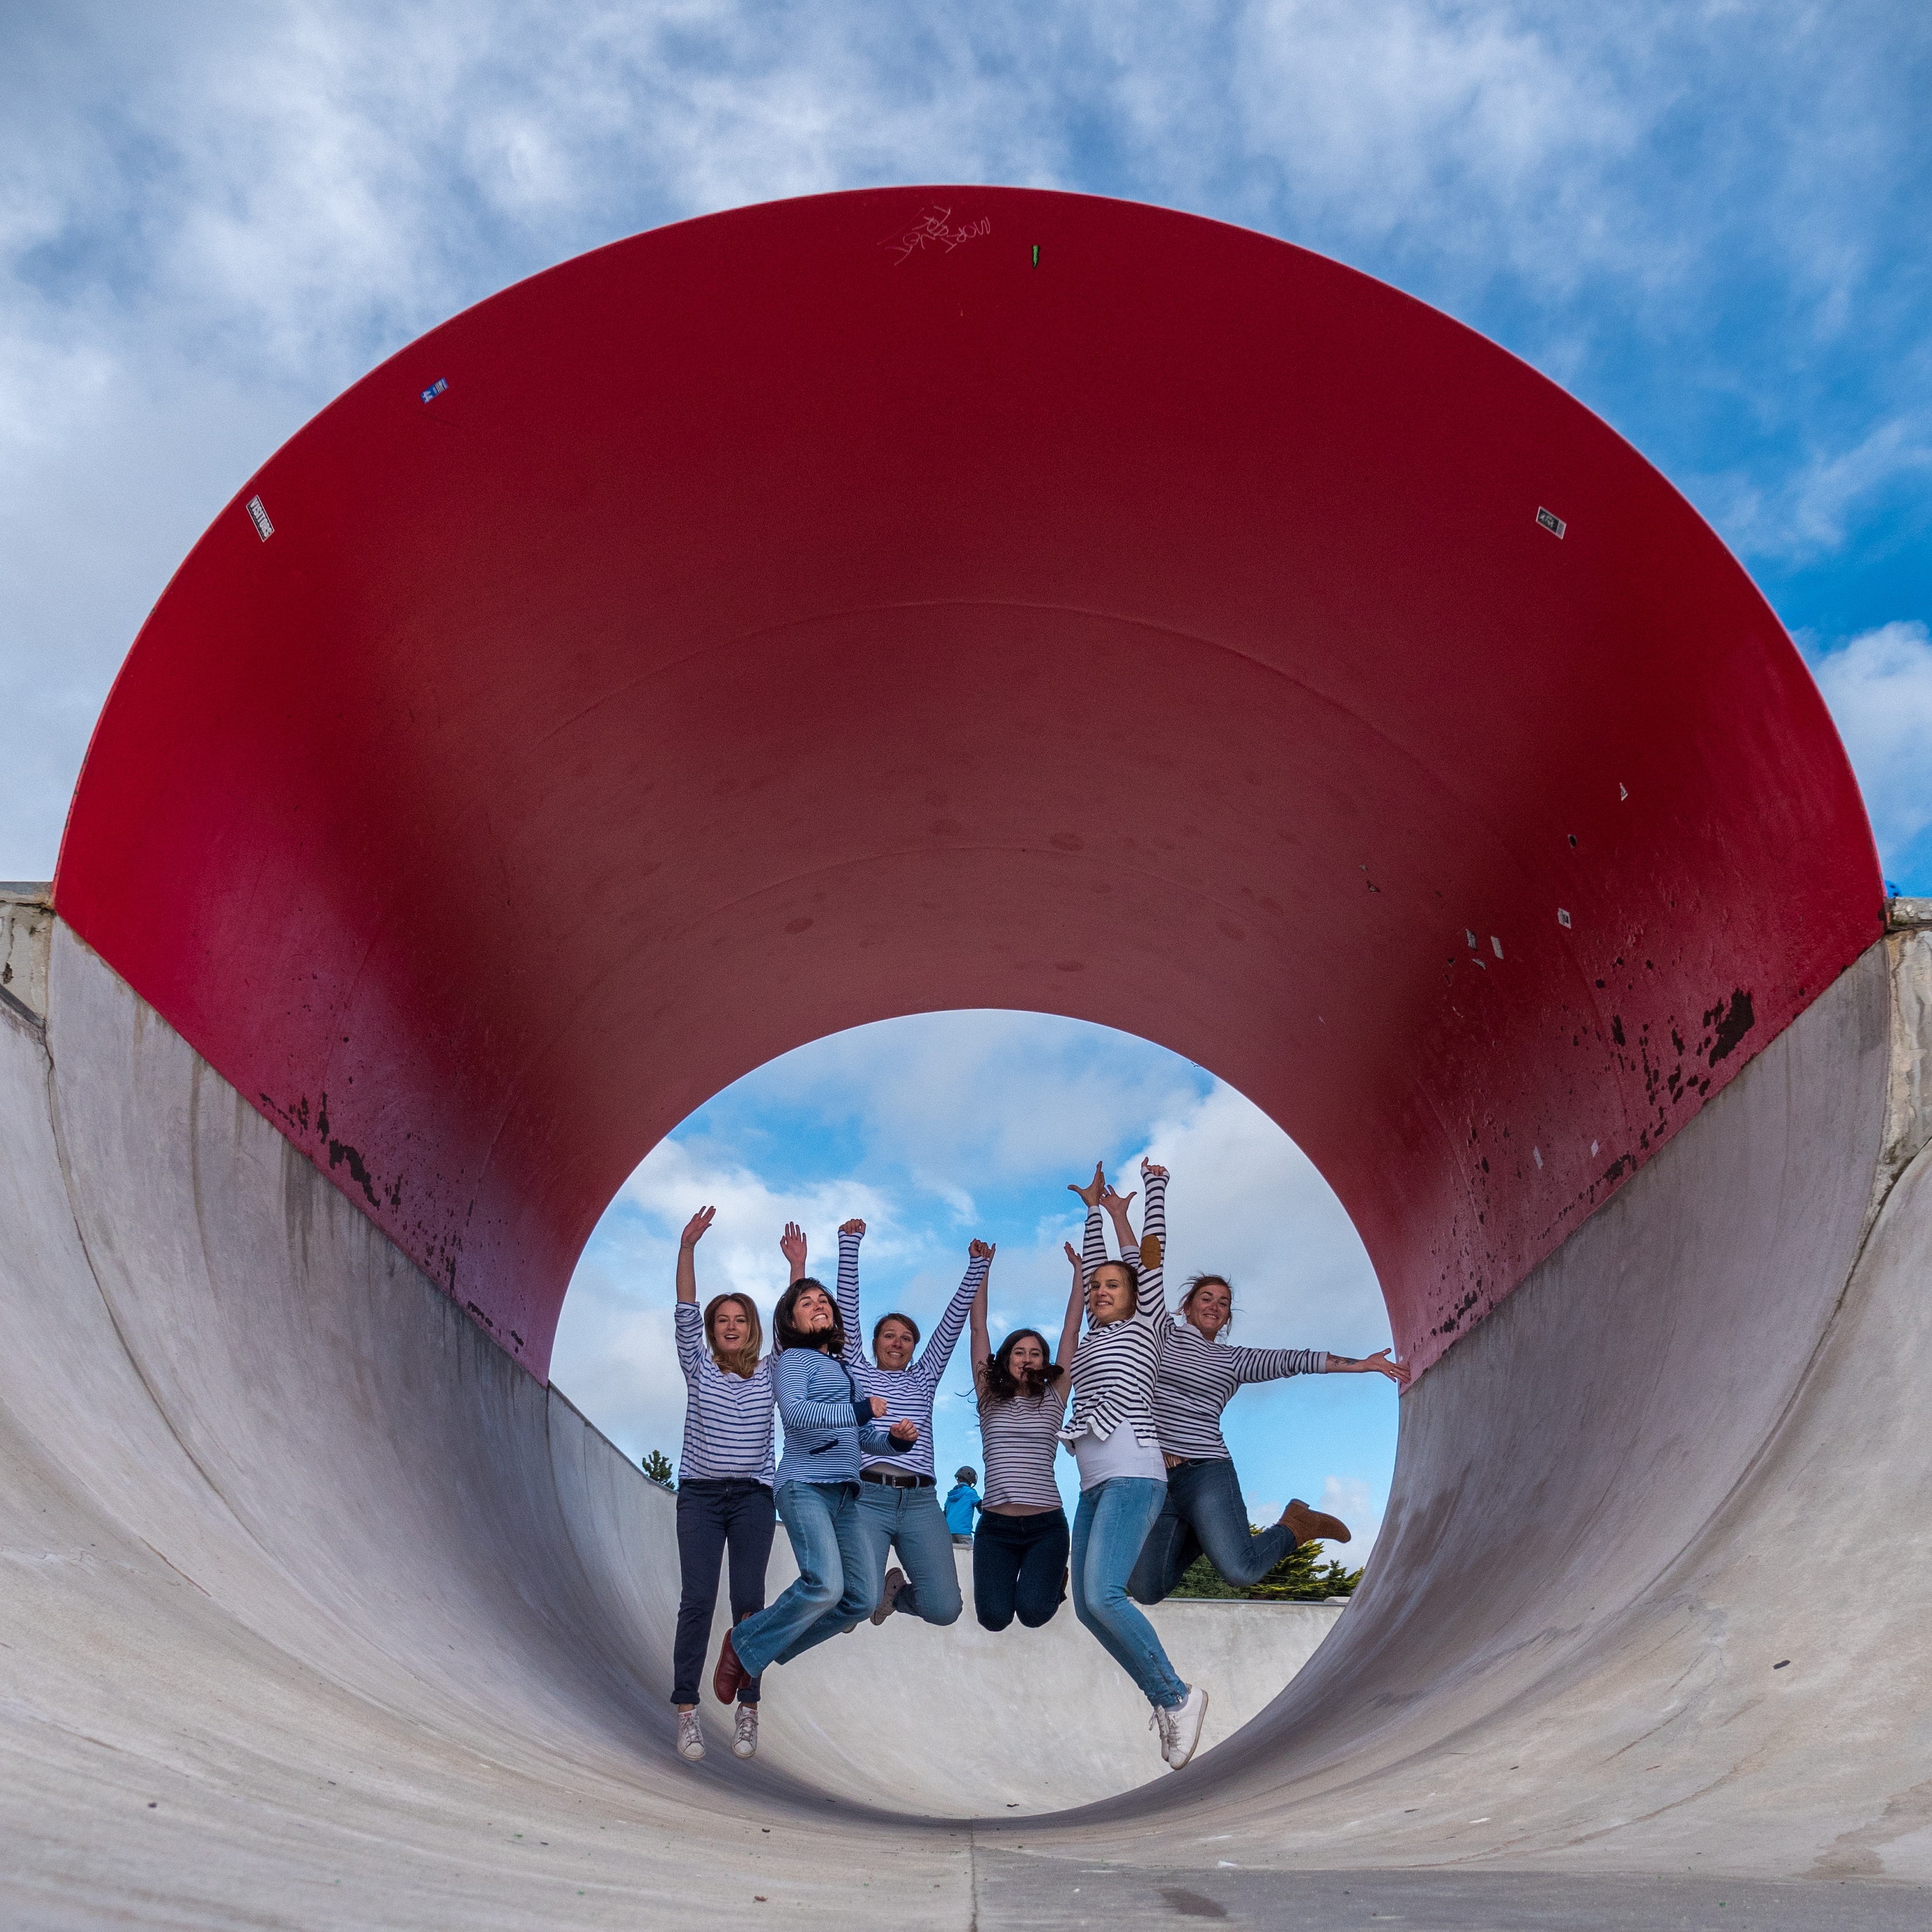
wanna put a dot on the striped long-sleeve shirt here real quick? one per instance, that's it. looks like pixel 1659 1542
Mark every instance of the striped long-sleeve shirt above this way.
pixel 1018 1440
pixel 1197 1378
pixel 816 1403
pixel 908 1391
pixel 728 1418
pixel 1113 1367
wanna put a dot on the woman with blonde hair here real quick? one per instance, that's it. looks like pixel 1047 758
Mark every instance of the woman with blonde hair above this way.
pixel 724 1483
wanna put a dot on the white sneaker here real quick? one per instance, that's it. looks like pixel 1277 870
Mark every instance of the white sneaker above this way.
pixel 1183 1726
pixel 888 1595
pixel 744 1741
pixel 1162 1720
pixel 690 1738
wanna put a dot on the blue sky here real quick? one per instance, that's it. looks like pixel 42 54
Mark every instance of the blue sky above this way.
pixel 1708 221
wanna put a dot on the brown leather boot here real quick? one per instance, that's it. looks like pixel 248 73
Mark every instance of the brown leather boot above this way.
pixel 1312 1526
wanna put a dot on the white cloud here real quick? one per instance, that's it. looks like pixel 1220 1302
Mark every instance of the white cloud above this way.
pixel 1880 688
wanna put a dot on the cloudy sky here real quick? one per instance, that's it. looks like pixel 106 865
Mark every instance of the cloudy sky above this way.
pixel 1708 221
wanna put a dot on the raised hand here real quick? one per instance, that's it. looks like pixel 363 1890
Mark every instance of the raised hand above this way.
pixel 695 1227
pixel 905 1432
pixel 1148 1170
pixel 1090 1192
pixel 1072 1255
pixel 855 1226
pixel 1116 1203
pixel 791 1245
pixel 979 1251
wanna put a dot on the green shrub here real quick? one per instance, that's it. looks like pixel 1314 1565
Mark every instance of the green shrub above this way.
pixel 1300 1577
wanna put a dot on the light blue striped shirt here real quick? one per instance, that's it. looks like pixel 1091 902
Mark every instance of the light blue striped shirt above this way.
pixel 816 1402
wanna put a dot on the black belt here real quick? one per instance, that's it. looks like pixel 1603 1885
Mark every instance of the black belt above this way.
pixel 893 1479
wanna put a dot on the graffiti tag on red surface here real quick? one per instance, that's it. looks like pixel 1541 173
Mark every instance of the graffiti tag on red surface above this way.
pixel 934 229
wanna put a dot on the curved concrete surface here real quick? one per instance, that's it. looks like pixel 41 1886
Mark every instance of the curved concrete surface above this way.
pixel 777 631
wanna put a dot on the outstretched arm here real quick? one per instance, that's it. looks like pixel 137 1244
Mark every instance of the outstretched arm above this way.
pixel 938 1351
pixel 1116 1205
pixel 850 1235
pixel 792 1246
pixel 687 1259
pixel 1379 1363
pixel 1076 1302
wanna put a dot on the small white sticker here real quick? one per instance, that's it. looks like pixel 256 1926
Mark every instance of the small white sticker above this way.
pixel 1472 939
pixel 1562 917
pixel 436 389
pixel 1623 791
pixel 1498 944
pixel 258 517
pixel 1551 521
pixel 1593 1150
pixel 1536 1155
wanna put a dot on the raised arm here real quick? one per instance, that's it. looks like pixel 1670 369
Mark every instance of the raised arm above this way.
pixel 792 1246
pixel 938 1351
pixel 982 1343
pixel 1094 1249
pixel 850 1235
pixel 1076 1306
pixel 1116 1205
pixel 1153 1246
pixel 687 1259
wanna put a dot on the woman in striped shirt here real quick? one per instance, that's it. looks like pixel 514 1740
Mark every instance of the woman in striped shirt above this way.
pixel 1020 1553
pixel 826 1421
pixel 724 1483
pixel 1123 1479
pixel 1197 1377
pixel 898 1505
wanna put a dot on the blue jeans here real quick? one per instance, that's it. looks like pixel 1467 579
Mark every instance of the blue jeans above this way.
pixel 734 1513
pixel 1204 1511
pixel 1109 1528
pixel 822 1520
pixel 911 1522
pixel 1018 1564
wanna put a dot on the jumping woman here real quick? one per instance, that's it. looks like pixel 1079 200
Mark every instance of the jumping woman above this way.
pixel 1123 1479
pixel 826 1420
pixel 1020 1552
pixel 724 1483
pixel 898 1500
pixel 1197 1377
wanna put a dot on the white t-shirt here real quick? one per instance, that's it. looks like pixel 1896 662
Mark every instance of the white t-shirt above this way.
pixel 1122 1453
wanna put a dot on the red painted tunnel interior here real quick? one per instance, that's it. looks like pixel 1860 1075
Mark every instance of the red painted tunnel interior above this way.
pixel 966 597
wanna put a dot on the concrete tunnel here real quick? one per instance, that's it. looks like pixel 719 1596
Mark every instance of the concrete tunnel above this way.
pixel 890 602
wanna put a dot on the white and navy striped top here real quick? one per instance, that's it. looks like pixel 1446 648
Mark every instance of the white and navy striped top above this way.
pixel 728 1418
pixel 1113 1367
pixel 1019 1440
pixel 1197 1378
pixel 908 1391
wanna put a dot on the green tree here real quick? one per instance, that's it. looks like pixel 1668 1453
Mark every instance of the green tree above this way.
pixel 657 1466
pixel 1300 1576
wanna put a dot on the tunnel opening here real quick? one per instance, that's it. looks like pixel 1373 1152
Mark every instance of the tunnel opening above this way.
pixel 930 1129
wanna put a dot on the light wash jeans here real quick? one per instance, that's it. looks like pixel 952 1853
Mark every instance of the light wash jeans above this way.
pixel 822 1520
pixel 1204 1511
pixel 911 1522
pixel 1109 1528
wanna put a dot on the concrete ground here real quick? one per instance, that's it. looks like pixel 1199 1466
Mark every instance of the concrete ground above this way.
pixel 316 1610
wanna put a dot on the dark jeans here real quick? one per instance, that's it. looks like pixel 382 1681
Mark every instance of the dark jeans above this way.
pixel 1204 1511
pixel 736 1513
pixel 1019 1564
